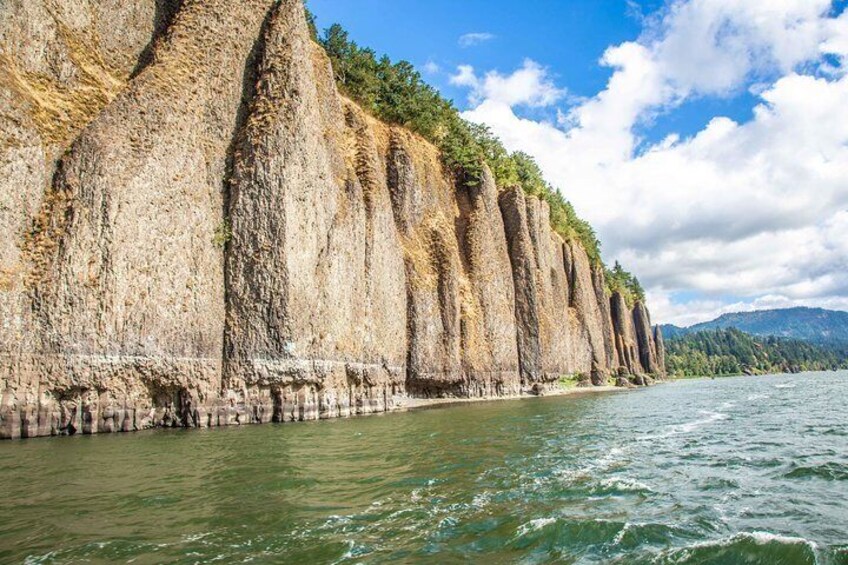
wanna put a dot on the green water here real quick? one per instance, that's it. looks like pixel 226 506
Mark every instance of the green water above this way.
pixel 742 470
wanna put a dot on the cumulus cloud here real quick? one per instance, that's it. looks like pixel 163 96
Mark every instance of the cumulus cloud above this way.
pixel 529 85
pixel 475 38
pixel 755 211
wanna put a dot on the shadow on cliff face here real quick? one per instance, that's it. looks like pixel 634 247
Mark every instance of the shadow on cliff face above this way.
pixel 248 88
pixel 164 15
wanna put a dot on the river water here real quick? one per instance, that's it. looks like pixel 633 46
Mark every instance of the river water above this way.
pixel 737 470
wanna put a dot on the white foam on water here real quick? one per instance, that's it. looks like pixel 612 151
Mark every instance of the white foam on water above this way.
pixel 709 418
pixel 619 537
pixel 687 427
pixel 753 397
pixel 481 499
pixel 418 493
pixel 190 538
pixel 785 385
pixel 615 457
pixel 534 525
pixel 448 521
pixel 763 538
pixel 349 554
pixel 625 484
pixel 334 521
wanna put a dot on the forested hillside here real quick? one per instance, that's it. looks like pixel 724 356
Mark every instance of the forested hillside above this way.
pixel 725 352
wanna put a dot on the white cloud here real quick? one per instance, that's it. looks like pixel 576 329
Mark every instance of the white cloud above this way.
pixel 530 86
pixel 754 210
pixel 476 38
pixel 431 67
pixel 836 42
pixel 465 77
pixel 703 310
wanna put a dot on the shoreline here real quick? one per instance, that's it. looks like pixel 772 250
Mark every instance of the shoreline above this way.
pixel 402 405
pixel 784 374
pixel 411 404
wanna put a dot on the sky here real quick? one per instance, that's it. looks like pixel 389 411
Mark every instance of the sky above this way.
pixel 705 140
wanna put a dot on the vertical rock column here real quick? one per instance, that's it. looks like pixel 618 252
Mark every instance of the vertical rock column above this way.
pixel 424 205
pixel 126 280
pixel 659 343
pixel 556 319
pixel 315 281
pixel 523 262
pixel 645 339
pixel 60 64
pixel 554 296
pixel 592 314
pixel 489 349
pixel 625 340
pixel 599 283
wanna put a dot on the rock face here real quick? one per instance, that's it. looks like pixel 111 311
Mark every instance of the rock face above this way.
pixel 199 230
pixel 315 285
pixel 624 331
pixel 660 351
pixel 645 339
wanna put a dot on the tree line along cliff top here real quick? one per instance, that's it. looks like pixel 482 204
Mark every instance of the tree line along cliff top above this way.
pixel 395 93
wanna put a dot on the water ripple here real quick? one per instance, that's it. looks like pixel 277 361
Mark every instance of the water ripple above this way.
pixel 729 471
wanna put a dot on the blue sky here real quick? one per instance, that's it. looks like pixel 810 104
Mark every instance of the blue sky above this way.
pixel 702 138
pixel 568 36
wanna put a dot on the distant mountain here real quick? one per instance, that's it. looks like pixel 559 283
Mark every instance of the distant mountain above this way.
pixel 670 331
pixel 808 324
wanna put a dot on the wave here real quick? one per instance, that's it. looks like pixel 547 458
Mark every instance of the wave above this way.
pixel 612 486
pixel 614 458
pixel 827 471
pixel 634 535
pixel 577 532
pixel 710 418
pixel 689 427
pixel 750 547
pixel 534 525
pixel 785 385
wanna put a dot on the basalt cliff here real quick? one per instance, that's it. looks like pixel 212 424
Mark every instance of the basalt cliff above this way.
pixel 199 230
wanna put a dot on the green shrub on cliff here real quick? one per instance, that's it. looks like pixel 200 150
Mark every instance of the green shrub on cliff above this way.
pixel 503 165
pixel 568 381
pixel 623 282
pixel 461 153
pixel 222 235
pixel 396 93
